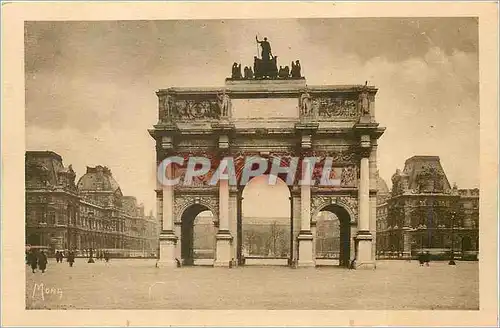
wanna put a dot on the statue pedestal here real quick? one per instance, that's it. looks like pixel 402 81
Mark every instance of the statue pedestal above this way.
pixel 364 256
pixel 223 249
pixel 257 85
pixel 306 258
pixel 167 258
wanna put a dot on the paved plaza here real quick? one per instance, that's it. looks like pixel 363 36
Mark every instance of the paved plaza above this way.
pixel 137 284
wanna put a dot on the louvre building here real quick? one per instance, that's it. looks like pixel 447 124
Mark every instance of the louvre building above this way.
pixel 90 215
pixel 424 213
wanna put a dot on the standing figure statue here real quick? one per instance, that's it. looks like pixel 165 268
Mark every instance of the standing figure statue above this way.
pixel 305 104
pixel 296 69
pixel 281 72
pixel 364 102
pixel 266 49
pixel 168 107
pixel 236 71
pixel 224 103
pixel 250 73
pixel 286 72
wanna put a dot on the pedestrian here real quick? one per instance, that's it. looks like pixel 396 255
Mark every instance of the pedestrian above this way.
pixel 352 264
pixel 427 258
pixel 33 260
pixel 57 256
pixel 42 261
pixel 71 258
pixel 91 258
pixel 421 258
pixel 106 256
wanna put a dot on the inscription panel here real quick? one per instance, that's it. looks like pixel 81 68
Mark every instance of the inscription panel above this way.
pixel 265 108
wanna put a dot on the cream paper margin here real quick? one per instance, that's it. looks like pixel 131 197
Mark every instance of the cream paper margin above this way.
pixel 13 148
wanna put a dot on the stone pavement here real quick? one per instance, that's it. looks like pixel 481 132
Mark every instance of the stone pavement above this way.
pixel 137 284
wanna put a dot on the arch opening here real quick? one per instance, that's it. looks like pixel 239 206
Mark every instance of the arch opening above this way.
pixel 265 228
pixel 333 236
pixel 197 236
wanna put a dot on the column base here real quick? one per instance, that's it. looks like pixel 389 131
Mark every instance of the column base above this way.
pixel 223 249
pixel 168 241
pixel 364 257
pixel 306 258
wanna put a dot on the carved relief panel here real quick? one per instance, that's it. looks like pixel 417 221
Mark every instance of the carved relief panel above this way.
pixel 350 204
pixel 206 107
pixel 335 107
pixel 183 201
pixel 325 107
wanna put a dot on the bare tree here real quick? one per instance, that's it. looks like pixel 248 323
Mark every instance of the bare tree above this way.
pixel 250 239
pixel 276 235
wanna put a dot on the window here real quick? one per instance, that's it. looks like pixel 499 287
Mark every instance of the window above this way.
pixel 41 217
pixel 52 218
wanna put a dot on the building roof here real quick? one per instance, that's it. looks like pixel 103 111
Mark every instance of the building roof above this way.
pixel 421 166
pixel 46 167
pixel 98 178
pixel 43 153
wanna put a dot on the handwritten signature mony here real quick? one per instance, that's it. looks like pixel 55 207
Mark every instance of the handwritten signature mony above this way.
pixel 40 290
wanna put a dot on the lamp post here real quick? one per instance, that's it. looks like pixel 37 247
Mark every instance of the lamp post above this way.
pixel 452 254
pixel 92 236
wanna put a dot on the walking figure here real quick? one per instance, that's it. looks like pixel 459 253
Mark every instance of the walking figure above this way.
pixel 421 259
pixel 42 261
pixel 427 258
pixel 71 258
pixel 33 261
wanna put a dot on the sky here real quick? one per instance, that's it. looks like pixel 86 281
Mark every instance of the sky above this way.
pixel 90 86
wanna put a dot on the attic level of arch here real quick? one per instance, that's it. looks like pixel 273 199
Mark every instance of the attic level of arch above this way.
pixel 348 103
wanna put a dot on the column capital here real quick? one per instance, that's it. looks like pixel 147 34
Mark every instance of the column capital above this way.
pixel 364 152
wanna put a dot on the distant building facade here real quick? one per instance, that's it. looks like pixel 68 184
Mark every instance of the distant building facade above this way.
pixel 90 215
pixel 424 213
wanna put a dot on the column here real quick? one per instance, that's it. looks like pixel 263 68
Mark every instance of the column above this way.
pixel 239 228
pixel 168 239
pixel 305 237
pixel 373 195
pixel 364 238
pixel 223 237
pixel 315 239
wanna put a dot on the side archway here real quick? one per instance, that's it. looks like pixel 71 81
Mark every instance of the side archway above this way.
pixel 333 234
pixel 197 235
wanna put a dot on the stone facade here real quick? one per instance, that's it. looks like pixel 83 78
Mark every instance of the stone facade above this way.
pixel 92 214
pixel 320 121
pixel 424 213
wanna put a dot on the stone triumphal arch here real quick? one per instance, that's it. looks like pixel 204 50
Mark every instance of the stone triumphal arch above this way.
pixel 271 117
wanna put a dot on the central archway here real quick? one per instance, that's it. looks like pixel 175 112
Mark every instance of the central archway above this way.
pixel 333 236
pixel 266 226
pixel 197 236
